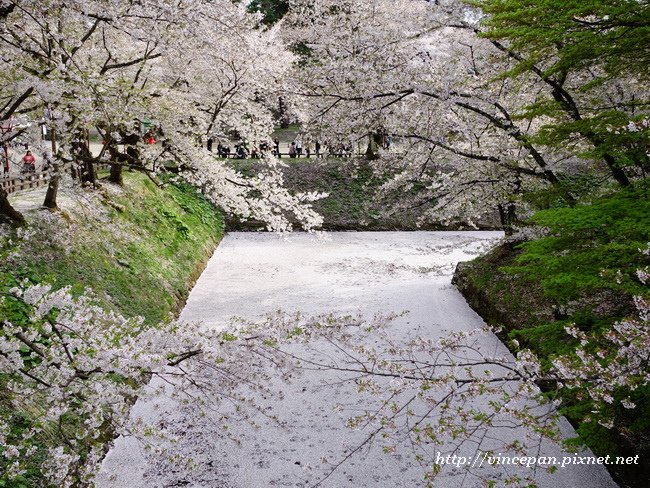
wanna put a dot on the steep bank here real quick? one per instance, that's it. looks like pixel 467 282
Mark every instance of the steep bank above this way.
pixel 355 198
pixel 138 247
pixel 582 272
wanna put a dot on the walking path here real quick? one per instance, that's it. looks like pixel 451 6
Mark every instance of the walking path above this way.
pixel 251 274
pixel 17 179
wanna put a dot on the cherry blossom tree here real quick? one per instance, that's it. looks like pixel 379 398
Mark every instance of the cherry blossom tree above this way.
pixel 438 83
pixel 432 395
pixel 73 371
pixel 115 65
pixel 426 85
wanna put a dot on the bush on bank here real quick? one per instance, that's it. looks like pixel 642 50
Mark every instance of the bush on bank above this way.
pixel 582 271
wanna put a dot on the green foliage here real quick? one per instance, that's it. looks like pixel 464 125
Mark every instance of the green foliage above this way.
pixel 586 269
pixel 272 10
pixel 549 340
pixel 590 247
pixel 582 50
pixel 572 35
pixel 584 273
pixel 582 186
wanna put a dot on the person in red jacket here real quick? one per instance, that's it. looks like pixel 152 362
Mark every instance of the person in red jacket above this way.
pixel 29 163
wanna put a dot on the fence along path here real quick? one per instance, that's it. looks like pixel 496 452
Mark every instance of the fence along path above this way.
pixel 26 181
pixel 29 181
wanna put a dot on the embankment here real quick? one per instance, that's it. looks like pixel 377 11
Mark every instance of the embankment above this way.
pixel 581 271
pixel 139 247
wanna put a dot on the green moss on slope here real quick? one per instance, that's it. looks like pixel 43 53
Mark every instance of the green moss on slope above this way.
pixel 582 272
pixel 139 248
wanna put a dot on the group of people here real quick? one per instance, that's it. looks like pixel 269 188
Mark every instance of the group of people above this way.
pixel 243 150
pixel 319 149
pixel 297 149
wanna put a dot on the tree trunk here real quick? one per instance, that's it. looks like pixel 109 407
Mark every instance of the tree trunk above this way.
pixel 617 172
pixel 7 212
pixel 52 190
pixel 283 115
pixel 82 152
pixel 89 174
pixel 374 141
pixel 55 175
pixel 116 174
pixel 508 216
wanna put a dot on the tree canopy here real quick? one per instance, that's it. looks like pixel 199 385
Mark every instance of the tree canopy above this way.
pixel 610 38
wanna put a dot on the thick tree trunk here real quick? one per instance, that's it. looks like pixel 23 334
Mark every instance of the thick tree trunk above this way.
pixel 116 174
pixel 283 113
pixel 82 151
pixel 55 176
pixel 130 157
pixel 7 211
pixel 374 141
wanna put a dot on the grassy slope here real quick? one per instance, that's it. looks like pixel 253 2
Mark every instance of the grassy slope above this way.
pixel 141 253
pixel 139 249
pixel 582 273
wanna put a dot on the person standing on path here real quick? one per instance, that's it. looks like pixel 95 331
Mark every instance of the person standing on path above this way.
pixel 298 143
pixel 29 163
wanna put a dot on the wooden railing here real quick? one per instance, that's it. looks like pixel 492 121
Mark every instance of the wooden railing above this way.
pixel 25 181
pixel 29 181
